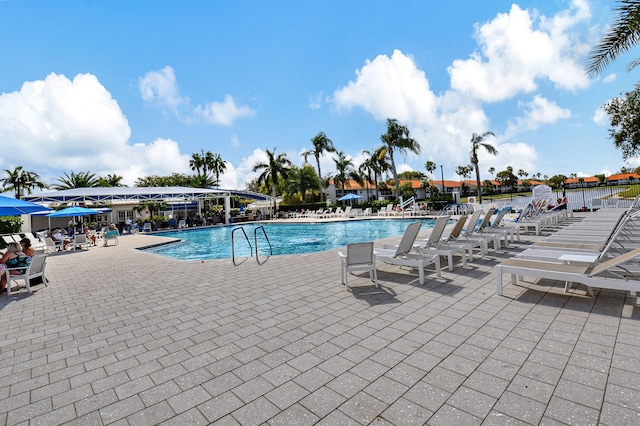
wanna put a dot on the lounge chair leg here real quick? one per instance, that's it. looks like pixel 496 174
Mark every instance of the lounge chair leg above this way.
pixel 499 280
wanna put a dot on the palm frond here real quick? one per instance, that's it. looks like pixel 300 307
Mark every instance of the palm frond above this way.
pixel 621 37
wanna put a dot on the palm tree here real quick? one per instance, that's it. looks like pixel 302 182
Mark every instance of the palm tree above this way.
pixel 367 169
pixel 217 165
pixel 197 162
pixel 19 180
pixel 477 141
pixel 301 180
pixel 623 34
pixel 203 180
pixel 344 171
pixel 431 167
pixel 110 181
pixel 79 180
pixel 321 144
pixel 398 138
pixel 492 170
pixel 275 166
pixel 523 174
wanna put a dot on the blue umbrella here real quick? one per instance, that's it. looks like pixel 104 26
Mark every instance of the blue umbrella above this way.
pixel 15 207
pixel 73 211
pixel 349 197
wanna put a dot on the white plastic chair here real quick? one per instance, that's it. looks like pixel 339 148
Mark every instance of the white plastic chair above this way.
pixel 80 240
pixel 51 246
pixel 146 227
pixel 111 235
pixel 35 270
pixel 359 257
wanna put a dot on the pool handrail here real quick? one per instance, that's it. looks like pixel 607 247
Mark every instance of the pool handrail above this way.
pixel 233 245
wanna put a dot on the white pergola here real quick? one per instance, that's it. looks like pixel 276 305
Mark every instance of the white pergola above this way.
pixel 117 195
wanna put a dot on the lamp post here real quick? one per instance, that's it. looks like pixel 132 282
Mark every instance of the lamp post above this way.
pixel 442 173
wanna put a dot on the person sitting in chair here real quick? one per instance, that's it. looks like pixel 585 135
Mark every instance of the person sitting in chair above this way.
pixel 58 237
pixel 111 233
pixel 14 257
pixel 26 247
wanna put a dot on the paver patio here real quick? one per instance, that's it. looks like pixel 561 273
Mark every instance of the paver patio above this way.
pixel 123 337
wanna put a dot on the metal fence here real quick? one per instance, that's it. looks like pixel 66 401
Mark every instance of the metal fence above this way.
pixel 577 199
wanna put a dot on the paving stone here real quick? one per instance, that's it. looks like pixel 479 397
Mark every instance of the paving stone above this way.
pixel 294 415
pixel 285 344
pixel 219 406
pixel 286 395
pixel 520 407
pixel 405 412
pixel 448 415
pixel 569 412
pixel 256 412
pixel 363 408
pixel 486 383
pixel 471 401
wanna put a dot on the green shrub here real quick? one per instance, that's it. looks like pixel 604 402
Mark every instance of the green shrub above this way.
pixel 10 224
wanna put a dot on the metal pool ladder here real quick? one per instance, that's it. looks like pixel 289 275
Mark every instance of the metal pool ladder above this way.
pixel 255 241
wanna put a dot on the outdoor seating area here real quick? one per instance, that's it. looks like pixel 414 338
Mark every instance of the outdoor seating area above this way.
pixel 295 343
pixel 599 251
pixel 408 341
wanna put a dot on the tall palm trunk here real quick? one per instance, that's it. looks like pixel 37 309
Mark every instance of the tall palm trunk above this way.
pixel 319 177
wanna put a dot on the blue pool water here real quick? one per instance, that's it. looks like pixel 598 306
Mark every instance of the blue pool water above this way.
pixel 285 238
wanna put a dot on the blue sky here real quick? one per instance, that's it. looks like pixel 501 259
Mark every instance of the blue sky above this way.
pixel 134 88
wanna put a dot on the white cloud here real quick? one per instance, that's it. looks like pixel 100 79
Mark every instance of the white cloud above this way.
pixel 390 87
pixel 224 113
pixel 516 50
pixel 538 112
pixel 67 125
pixel 609 78
pixel 160 88
pixel 517 155
pixel 600 117
pixel 443 125
pixel 315 101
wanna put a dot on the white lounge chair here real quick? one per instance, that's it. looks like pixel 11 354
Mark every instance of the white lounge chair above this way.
pixel 181 224
pixel 434 243
pixel 146 227
pixel 610 274
pixel 34 270
pixel 406 254
pixel 386 211
pixel 468 235
pixel 359 257
pixel 492 237
pixel 453 239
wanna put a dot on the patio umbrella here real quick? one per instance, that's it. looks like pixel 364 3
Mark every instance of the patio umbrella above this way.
pixel 350 197
pixel 73 212
pixel 15 207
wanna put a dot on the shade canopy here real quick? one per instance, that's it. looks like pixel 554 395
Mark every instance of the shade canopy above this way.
pixel 349 197
pixel 15 207
pixel 73 211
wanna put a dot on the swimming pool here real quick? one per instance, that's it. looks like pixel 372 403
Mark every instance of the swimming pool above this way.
pixel 285 238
